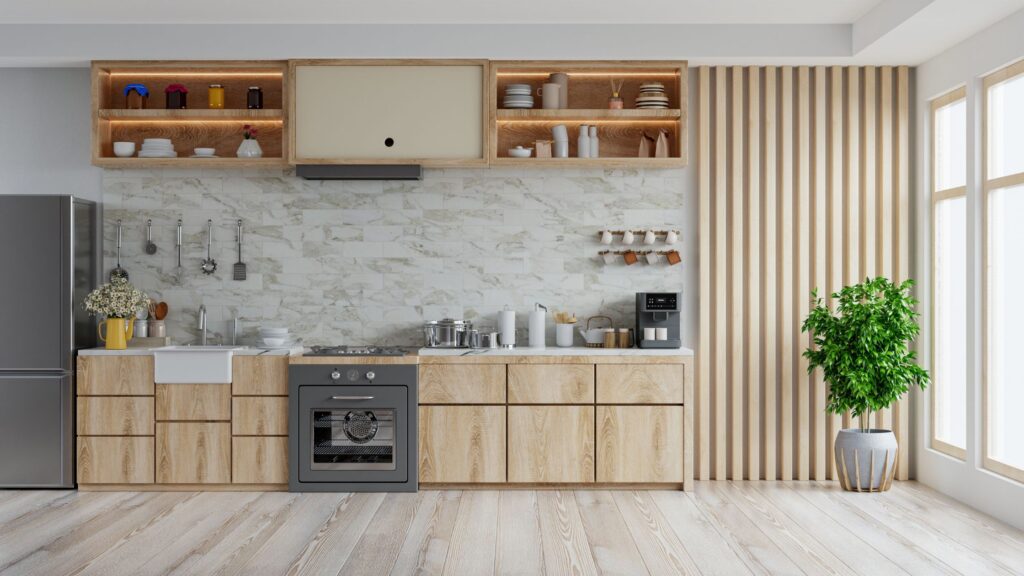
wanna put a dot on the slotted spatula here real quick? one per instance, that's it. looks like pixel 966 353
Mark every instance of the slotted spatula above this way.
pixel 239 266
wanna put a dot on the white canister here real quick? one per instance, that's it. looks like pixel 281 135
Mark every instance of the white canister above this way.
pixel 583 143
pixel 594 143
pixel 538 319
pixel 507 327
pixel 549 94
pixel 561 149
pixel 564 335
pixel 649 334
pixel 561 79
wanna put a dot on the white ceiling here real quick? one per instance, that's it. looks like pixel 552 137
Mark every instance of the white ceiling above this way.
pixel 435 11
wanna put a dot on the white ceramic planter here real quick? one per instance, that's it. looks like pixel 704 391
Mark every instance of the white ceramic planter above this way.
pixel 866 461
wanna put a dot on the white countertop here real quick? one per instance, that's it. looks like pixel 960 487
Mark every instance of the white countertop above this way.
pixel 248 351
pixel 555 351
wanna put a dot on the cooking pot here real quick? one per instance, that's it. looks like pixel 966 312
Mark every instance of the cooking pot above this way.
pixel 447 333
pixel 594 337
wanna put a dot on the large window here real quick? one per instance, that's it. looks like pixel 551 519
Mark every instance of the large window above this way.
pixel 949 225
pixel 1004 338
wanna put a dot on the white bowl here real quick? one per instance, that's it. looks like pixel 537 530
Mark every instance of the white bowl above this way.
pixel 124 149
pixel 204 151
pixel 520 152
pixel 273 331
pixel 273 341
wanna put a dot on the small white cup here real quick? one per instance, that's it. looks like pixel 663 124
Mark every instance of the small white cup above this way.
pixel 124 149
pixel 606 237
pixel 560 132
pixel 609 257
pixel 648 333
pixel 661 333
pixel 653 257
pixel 627 237
pixel 649 237
pixel 561 148
pixel 671 237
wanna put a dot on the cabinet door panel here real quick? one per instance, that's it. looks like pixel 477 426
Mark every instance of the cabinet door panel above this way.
pixel 551 384
pixel 115 416
pixel 462 384
pixel 462 444
pixel 639 383
pixel 193 453
pixel 259 460
pixel 115 460
pixel 259 375
pixel 115 376
pixel 259 416
pixel 640 444
pixel 193 401
pixel 551 444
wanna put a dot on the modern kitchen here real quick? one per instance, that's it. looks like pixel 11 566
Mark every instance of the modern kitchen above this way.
pixel 689 302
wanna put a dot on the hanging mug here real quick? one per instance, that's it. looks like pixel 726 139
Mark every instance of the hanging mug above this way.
pixel 627 237
pixel 671 237
pixel 649 237
pixel 606 237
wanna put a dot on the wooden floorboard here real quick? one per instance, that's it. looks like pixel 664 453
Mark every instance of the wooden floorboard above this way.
pixel 722 528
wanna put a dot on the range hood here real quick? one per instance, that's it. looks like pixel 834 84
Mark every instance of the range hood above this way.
pixel 359 171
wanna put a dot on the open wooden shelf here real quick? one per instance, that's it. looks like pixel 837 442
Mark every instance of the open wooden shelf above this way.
pixel 186 114
pixel 527 114
pixel 186 162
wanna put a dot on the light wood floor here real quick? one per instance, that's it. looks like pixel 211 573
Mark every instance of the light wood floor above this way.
pixel 722 528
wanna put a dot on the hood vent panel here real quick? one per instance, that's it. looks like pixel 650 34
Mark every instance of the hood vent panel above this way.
pixel 359 171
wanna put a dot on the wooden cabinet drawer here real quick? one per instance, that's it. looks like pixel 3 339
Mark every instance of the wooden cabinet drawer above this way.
pixel 551 384
pixel 115 376
pixel 462 444
pixel 115 416
pixel 462 384
pixel 256 460
pixel 115 460
pixel 551 444
pixel 640 444
pixel 259 375
pixel 640 383
pixel 193 401
pixel 251 416
pixel 193 452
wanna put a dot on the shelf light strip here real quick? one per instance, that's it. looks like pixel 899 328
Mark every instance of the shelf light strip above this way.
pixel 588 121
pixel 205 74
pixel 191 121
pixel 594 74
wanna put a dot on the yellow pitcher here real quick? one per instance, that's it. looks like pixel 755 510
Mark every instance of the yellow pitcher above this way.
pixel 119 332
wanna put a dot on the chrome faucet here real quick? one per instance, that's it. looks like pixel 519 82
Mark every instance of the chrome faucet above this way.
pixel 202 324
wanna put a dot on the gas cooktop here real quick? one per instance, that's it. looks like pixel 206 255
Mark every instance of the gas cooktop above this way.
pixel 355 351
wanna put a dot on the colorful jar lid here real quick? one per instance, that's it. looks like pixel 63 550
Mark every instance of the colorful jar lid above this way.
pixel 140 88
pixel 176 88
pixel 216 85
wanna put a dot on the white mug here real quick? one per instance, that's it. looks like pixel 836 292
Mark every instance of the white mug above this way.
pixel 649 237
pixel 606 237
pixel 661 333
pixel 609 257
pixel 560 132
pixel 549 93
pixel 653 257
pixel 671 237
pixel 648 333
pixel 627 237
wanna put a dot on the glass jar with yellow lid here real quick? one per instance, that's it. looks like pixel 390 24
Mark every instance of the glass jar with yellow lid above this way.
pixel 216 96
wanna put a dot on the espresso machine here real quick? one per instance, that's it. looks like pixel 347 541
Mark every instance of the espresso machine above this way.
pixel 659 314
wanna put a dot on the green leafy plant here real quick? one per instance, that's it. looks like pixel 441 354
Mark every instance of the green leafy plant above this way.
pixel 862 347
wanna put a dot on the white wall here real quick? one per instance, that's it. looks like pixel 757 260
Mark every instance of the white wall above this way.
pixel 45 133
pixel 961 65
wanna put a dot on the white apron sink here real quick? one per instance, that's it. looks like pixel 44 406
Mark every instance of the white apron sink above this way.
pixel 193 364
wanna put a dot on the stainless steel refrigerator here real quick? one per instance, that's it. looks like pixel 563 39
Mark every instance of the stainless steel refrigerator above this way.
pixel 49 262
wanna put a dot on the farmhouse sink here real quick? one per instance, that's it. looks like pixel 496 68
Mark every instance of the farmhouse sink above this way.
pixel 193 364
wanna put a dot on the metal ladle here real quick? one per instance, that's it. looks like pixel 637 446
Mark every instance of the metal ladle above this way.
pixel 209 264
pixel 150 246
pixel 118 272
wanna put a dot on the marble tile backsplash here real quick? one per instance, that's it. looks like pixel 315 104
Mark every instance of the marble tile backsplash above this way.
pixel 368 262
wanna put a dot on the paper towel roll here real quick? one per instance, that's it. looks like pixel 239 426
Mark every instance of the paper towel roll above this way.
pixel 537 320
pixel 507 327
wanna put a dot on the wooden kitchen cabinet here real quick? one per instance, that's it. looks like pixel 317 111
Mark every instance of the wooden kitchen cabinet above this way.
pixel 115 459
pixel 640 444
pixel 551 444
pixel 462 444
pixel 640 384
pixel 115 376
pixel 193 402
pixel 115 416
pixel 259 460
pixel 462 384
pixel 551 384
pixel 259 375
pixel 252 416
pixel 193 452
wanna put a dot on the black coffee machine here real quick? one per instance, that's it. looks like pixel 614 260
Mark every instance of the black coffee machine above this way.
pixel 659 310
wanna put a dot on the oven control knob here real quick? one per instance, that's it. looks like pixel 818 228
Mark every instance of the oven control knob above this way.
pixel 370 376
pixel 335 375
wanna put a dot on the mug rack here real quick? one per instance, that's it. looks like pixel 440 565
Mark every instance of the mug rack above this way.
pixel 647 237
pixel 630 257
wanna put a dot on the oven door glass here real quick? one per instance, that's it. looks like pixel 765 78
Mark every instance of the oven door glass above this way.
pixel 353 438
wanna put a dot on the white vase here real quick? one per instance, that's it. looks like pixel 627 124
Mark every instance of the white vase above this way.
pixel 250 148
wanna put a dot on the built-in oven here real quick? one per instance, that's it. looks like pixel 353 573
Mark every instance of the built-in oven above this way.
pixel 351 434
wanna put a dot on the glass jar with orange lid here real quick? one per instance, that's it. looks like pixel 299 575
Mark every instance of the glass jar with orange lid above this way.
pixel 216 96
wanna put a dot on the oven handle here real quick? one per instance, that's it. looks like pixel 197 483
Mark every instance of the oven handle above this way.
pixel 351 397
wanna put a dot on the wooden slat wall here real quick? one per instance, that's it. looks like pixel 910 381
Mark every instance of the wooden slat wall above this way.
pixel 803 182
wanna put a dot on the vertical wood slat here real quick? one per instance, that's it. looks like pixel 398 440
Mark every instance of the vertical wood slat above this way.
pixel 836 210
pixel 721 261
pixel 819 246
pixel 736 281
pixel 753 273
pixel 901 418
pixel 702 443
pixel 786 338
pixel 884 203
pixel 851 246
pixel 803 268
pixel 770 331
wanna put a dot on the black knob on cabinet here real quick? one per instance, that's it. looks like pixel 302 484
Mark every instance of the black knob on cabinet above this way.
pixel 370 375
pixel 335 375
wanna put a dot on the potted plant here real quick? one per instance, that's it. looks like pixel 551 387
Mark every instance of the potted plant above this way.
pixel 118 302
pixel 250 147
pixel 862 351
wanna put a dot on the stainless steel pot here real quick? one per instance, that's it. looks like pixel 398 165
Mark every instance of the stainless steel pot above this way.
pixel 447 333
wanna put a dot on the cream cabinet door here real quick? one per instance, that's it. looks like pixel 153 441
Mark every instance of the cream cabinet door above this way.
pixel 400 113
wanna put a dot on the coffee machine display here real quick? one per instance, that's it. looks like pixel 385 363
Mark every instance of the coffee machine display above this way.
pixel 659 319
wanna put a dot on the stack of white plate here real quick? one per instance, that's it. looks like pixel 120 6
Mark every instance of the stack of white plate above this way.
pixel 518 96
pixel 157 148
pixel 652 95
pixel 274 337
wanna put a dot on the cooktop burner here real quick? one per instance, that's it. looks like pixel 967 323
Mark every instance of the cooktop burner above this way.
pixel 355 351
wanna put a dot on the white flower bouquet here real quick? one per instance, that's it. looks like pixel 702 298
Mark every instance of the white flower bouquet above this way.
pixel 118 299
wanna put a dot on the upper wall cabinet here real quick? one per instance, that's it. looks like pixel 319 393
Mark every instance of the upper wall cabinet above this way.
pixel 389 112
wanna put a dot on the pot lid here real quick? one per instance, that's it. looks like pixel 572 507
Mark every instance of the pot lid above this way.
pixel 449 322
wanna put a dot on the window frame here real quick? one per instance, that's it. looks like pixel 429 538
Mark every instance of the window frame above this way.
pixel 1007 73
pixel 937 197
